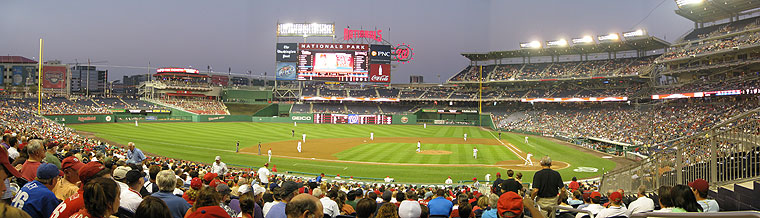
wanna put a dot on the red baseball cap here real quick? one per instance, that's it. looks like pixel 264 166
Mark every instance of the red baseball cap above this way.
pixel 510 202
pixel 498 174
pixel 595 194
pixel 71 162
pixel 7 163
pixel 196 183
pixel 700 185
pixel 215 182
pixel 89 170
pixel 209 176
pixel 616 196
pixel 208 211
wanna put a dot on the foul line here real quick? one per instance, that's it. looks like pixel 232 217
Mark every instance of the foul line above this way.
pixel 510 147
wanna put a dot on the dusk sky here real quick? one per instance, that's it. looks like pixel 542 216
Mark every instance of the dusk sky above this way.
pixel 241 34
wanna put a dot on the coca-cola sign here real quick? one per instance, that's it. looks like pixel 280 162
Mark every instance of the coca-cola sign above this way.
pixel 380 73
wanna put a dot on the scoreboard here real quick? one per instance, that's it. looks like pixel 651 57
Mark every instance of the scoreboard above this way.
pixel 333 62
pixel 352 119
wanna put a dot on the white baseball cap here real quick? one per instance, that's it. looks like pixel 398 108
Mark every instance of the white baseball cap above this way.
pixel 218 158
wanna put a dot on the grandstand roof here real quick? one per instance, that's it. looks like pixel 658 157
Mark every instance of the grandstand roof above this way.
pixel 16 60
pixel 715 10
pixel 642 43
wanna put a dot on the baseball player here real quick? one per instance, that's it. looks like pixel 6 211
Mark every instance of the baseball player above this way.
pixel 136 123
pixel 475 152
pixel 371 136
pixel 304 137
pixel 237 147
pixel 499 135
pixel 419 146
pixel 526 139
pixel 259 148
pixel 295 124
pixel 528 161
pixel 270 155
pixel 299 147
pixel 292 133
pixel 465 137
pixel 424 125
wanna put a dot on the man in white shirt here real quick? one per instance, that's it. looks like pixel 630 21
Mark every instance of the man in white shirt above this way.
pixel 264 174
pixel 465 137
pixel 270 155
pixel 528 161
pixel 371 136
pixel 219 167
pixel 475 152
pixel 329 206
pixel 449 181
pixel 615 208
pixel 304 137
pixel 642 204
pixel 526 139
pixel 130 185
pixel 419 146
pixel 299 147
pixel 594 207
pixel 700 188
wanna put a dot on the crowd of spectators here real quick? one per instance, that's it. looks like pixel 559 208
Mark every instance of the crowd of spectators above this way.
pixel 557 70
pixel 712 45
pixel 628 124
pixel 197 105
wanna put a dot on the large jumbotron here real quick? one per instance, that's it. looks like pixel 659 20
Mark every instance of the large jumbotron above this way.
pixel 624 112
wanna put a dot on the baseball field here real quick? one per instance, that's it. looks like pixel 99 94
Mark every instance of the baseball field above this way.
pixel 348 150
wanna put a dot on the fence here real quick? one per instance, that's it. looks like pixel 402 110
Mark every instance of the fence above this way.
pixel 725 154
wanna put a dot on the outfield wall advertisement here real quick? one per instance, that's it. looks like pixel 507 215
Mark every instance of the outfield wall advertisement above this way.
pixel 87 118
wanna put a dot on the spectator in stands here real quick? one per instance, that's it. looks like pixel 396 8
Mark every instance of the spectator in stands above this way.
pixel 150 186
pixel 7 171
pixel 576 199
pixel 248 198
pixel 410 208
pixel 491 211
pixel 440 206
pixel 700 188
pixel 641 204
pixel 134 155
pixel 684 200
pixel 304 206
pixel 192 193
pixel 387 211
pixel 219 167
pixel 594 207
pixel 68 185
pixel 510 205
pixel 224 193
pixel 36 197
pixel 101 198
pixel 152 207
pixel 130 197
pixel 329 206
pixel 345 209
pixel 287 191
pixel 546 186
pixel 366 208
pixel 50 153
pixel 496 184
pixel 36 153
pixel 573 185
pixel 511 184
pixel 615 209
pixel 73 204
pixel 665 199
pixel 166 182
pixel 207 205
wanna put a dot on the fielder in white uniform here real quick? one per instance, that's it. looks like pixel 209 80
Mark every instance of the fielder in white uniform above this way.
pixel 419 146
pixel 299 147
pixel 424 125
pixel 528 161
pixel 270 155
pixel 526 139
pixel 475 152
pixel 304 137
pixel 371 136
pixel 465 137
pixel 136 123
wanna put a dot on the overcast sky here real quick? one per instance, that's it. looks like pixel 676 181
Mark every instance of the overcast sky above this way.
pixel 241 34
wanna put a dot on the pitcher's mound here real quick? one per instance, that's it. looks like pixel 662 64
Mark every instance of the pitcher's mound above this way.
pixel 434 152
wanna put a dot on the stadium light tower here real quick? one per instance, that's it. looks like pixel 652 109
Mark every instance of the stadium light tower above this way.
pixel 680 3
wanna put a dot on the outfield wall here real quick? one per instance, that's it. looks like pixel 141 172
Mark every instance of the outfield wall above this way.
pixel 403 119
pixel 82 118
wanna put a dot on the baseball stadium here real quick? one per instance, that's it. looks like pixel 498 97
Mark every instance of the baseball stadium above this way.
pixel 607 119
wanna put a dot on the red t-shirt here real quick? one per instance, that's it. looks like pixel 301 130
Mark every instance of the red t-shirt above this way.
pixel 29 170
pixel 573 185
pixel 69 206
pixel 82 214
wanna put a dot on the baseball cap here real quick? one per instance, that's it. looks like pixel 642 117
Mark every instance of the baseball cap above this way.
pixel 700 185
pixel 595 194
pixel 257 189
pixel 71 162
pixel 616 196
pixel 498 174
pixel 47 171
pixel 208 211
pixel 196 183
pixel 428 194
pixel 134 175
pixel 121 172
pixel 209 176
pixel 290 186
pixel 7 163
pixel 245 188
pixel 89 170
pixel 223 188
pixel 510 202
pixel 218 158
pixel 409 209
pixel 216 182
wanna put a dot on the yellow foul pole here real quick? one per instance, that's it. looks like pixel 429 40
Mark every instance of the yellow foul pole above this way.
pixel 39 81
pixel 480 93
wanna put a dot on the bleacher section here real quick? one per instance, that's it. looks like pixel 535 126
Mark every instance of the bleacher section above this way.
pixel 197 105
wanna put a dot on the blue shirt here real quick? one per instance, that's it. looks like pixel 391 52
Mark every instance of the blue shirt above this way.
pixel 492 213
pixel 277 211
pixel 439 206
pixel 36 200
pixel 177 205
pixel 135 157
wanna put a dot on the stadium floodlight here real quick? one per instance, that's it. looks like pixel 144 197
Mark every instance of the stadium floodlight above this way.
pixel 609 37
pixel 636 33
pixel 305 29
pixel 680 3
pixel 532 44
pixel 585 40
pixel 556 43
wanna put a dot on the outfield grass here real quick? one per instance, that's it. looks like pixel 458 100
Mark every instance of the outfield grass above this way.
pixel 202 141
